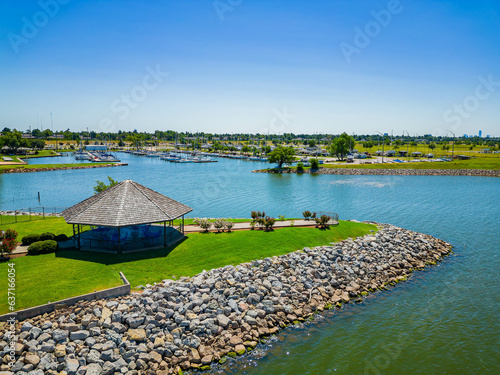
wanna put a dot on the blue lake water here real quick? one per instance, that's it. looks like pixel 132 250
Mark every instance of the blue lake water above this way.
pixel 444 320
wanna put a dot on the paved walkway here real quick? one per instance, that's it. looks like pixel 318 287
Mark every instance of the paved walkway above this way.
pixel 246 225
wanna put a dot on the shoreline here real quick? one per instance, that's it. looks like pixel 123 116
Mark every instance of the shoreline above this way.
pixel 392 172
pixel 193 322
pixel 48 169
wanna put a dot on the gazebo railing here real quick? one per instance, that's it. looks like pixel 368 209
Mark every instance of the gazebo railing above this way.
pixel 106 239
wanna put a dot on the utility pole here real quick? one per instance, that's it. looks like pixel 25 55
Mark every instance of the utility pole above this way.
pixel 383 141
pixel 453 146
pixel 407 144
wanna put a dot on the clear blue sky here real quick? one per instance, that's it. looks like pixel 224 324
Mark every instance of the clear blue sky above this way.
pixel 254 66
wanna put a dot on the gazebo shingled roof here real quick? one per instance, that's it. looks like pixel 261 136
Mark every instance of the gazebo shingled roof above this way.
pixel 126 203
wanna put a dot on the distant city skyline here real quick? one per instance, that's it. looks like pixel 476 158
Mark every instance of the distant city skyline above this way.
pixel 252 66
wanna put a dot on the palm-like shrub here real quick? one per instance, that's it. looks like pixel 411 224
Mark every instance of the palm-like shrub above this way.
pixel 219 224
pixel 322 221
pixel 204 224
pixel 269 223
pixel 306 214
pixel 228 225
pixel 258 218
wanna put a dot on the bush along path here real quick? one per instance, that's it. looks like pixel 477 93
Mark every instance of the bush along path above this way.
pixel 193 322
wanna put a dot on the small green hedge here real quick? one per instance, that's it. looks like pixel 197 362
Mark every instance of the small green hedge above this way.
pixel 29 239
pixel 43 247
pixel 61 237
pixel 47 236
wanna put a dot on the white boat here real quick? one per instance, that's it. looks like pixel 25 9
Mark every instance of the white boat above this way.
pixel 184 161
pixel 80 155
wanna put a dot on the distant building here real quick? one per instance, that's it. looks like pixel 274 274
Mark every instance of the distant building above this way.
pixel 480 133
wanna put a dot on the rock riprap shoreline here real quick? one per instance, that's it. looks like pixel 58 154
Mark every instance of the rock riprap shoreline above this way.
pixel 224 312
pixel 392 172
pixel 48 169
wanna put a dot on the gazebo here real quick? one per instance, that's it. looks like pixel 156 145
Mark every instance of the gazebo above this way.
pixel 121 219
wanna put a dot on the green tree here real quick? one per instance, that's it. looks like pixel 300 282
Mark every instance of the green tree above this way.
pixel 314 164
pixel 38 144
pixel 341 145
pixel 101 186
pixel 282 155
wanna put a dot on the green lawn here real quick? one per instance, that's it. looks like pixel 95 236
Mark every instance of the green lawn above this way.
pixel 37 225
pixel 479 163
pixel 14 157
pixel 52 277
pixel 43 154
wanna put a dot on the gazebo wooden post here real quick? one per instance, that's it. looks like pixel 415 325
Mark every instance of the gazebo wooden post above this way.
pixel 164 234
pixel 78 237
pixel 119 242
pixel 183 224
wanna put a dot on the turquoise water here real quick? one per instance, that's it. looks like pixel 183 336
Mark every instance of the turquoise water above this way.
pixel 444 320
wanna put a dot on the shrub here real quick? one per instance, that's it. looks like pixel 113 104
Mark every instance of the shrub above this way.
pixel 9 242
pixel 269 223
pixel 203 224
pixel 229 225
pixel 43 247
pixel 281 217
pixel 314 164
pixel 322 222
pixel 252 225
pixel 306 214
pixel 30 238
pixel 219 224
pixel 9 234
pixel 300 167
pixel 47 236
pixel 258 218
pixel 61 238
